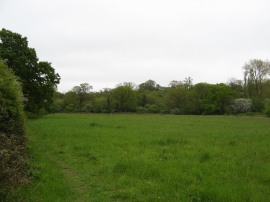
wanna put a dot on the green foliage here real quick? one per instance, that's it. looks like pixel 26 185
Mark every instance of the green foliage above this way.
pixel 152 108
pixel 125 97
pixel 258 105
pixel 11 103
pixel 38 79
pixel 148 109
pixel 182 97
pixel 13 157
pixel 237 87
pixel 267 107
pixel 212 99
pixel 108 101
pixel 178 98
pixel 105 157
pixel 255 71
pixel 58 103
pixel 149 85
pixel 82 92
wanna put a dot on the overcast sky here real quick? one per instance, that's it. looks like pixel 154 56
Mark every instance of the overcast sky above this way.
pixel 106 42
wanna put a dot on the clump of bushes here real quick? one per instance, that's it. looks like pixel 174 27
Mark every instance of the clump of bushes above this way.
pixel 148 109
pixel 11 102
pixel 241 105
pixel 13 156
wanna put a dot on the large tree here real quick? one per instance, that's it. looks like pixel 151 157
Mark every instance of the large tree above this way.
pixel 38 78
pixel 255 72
pixel 177 98
pixel 211 98
pixel 82 91
pixel 125 97
pixel 149 85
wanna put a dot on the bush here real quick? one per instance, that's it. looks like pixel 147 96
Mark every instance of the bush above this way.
pixel 152 108
pixel 13 161
pixel 141 110
pixel 11 102
pixel 241 105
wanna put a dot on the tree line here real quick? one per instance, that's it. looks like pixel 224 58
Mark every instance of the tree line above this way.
pixel 39 80
pixel 180 97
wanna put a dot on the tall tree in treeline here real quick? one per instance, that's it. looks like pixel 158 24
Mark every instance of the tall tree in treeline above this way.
pixel 125 97
pixel 82 91
pixel 255 72
pixel 38 78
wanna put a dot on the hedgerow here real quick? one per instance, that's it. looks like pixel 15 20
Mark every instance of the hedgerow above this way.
pixel 13 156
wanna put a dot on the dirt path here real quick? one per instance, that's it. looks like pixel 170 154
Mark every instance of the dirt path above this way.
pixel 73 177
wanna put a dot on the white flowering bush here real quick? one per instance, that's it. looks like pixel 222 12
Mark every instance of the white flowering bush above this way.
pixel 241 105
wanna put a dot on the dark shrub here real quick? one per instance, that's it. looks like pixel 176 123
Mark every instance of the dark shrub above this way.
pixel 13 163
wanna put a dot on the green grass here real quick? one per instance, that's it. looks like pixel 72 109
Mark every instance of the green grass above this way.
pixel 103 157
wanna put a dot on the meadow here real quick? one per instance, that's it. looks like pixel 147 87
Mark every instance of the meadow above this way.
pixel 126 157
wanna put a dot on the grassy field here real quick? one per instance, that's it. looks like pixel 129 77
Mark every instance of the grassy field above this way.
pixel 103 157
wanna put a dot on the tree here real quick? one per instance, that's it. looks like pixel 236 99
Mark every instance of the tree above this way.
pixel 70 102
pixel 188 82
pixel 125 97
pixel 149 85
pixel 58 103
pixel 174 83
pixel 266 89
pixel 38 79
pixel 220 96
pixel 237 87
pixel 212 98
pixel 177 98
pixel 82 90
pixel 108 104
pixel 255 71
pixel 200 94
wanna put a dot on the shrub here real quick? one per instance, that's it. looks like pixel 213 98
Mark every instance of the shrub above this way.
pixel 241 105
pixel 152 108
pixel 13 163
pixel 141 110
pixel 11 102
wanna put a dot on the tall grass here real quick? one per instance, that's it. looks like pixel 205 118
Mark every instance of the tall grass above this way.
pixel 150 158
